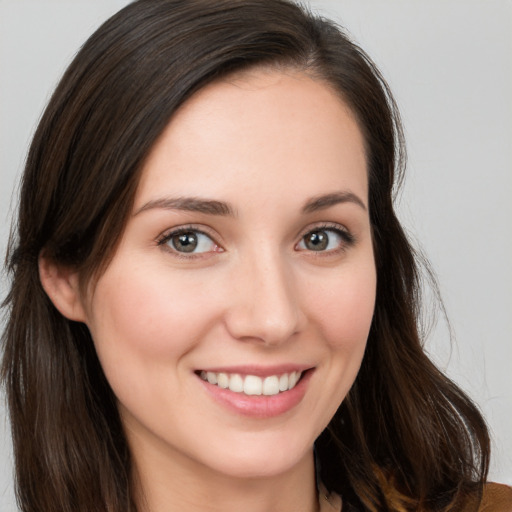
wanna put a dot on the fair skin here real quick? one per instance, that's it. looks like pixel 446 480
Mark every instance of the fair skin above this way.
pixel 268 272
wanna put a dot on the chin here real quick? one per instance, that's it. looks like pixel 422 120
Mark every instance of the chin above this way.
pixel 252 460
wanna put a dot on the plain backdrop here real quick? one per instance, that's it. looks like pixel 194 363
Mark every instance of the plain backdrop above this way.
pixel 449 64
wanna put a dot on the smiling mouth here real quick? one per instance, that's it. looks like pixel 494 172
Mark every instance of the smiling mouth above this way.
pixel 252 385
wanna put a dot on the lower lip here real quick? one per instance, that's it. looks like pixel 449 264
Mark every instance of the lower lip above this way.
pixel 260 406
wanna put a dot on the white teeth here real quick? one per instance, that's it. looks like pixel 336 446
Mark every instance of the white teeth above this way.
pixel 222 380
pixel 252 384
pixel 283 382
pixel 236 383
pixel 292 380
pixel 271 385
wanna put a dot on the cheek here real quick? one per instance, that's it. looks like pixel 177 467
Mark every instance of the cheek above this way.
pixel 342 310
pixel 147 318
pixel 343 307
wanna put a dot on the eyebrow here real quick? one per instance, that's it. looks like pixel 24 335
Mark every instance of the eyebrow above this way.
pixel 221 208
pixel 328 200
pixel 189 204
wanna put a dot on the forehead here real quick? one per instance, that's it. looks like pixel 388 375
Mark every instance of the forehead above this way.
pixel 260 130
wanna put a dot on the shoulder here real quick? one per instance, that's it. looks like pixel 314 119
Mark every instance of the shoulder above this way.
pixel 496 498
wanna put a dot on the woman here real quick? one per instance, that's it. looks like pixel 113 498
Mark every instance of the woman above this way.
pixel 213 305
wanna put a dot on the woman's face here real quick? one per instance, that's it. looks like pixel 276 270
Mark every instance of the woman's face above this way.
pixel 247 262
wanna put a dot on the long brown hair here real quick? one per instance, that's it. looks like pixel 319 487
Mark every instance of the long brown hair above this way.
pixel 405 438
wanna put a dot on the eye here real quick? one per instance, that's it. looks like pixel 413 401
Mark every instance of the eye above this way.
pixel 189 241
pixel 325 239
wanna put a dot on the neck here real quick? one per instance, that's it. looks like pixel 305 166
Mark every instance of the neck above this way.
pixel 167 482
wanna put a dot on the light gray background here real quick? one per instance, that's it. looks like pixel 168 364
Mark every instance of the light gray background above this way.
pixel 449 63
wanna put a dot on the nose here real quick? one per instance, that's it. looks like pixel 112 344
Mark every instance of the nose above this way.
pixel 264 305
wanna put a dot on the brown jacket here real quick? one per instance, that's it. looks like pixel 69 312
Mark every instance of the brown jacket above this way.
pixel 497 498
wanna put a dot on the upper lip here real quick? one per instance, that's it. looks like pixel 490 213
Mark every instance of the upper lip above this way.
pixel 258 371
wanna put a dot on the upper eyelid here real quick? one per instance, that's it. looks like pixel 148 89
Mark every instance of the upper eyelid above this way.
pixel 165 237
pixel 348 238
pixel 336 226
pixel 169 232
pixel 206 230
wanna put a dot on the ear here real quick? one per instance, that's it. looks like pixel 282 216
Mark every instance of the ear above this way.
pixel 61 284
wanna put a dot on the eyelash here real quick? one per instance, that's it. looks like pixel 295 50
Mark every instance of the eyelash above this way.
pixel 167 237
pixel 346 237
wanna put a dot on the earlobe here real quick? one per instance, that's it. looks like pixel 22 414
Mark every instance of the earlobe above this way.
pixel 61 284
